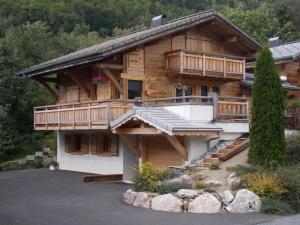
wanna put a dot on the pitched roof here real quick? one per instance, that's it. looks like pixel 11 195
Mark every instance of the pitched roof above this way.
pixel 286 51
pixel 131 40
pixel 250 80
pixel 163 120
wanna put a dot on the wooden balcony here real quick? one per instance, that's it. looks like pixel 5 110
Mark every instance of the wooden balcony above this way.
pixel 97 115
pixel 205 65
pixel 88 115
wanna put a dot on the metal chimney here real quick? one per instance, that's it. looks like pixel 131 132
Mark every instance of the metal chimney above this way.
pixel 158 20
pixel 274 42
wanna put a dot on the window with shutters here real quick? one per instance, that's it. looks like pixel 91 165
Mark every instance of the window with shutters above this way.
pixel 77 143
pixel 103 144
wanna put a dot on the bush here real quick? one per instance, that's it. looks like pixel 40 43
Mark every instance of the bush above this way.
pixel 293 149
pixel 290 178
pixel 264 185
pixel 172 186
pixel 242 170
pixel 200 184
pixel 146 179
pixel 275 206
pixel 214 166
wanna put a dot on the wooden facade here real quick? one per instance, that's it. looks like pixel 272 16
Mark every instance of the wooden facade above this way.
pixel 177 68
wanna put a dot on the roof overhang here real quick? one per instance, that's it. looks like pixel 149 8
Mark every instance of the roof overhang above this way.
pixel 132 40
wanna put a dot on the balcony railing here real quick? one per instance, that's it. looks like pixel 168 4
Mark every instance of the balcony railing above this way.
pixel 205 65
pixel 97 115
pixel 87 115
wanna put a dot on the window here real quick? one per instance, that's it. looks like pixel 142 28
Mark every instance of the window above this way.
pixel 204 91
pixel 95 143
pixel 186 90
pixel 216 89
pixel 77 143
pixel 103 144
pixel 134 89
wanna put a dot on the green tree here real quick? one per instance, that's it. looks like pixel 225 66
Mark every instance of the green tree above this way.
pixel 267 140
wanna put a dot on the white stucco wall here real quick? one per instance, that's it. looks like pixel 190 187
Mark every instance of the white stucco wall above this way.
pixel 87 163
pixel 203 113
pixel 234 127
pixel 196 146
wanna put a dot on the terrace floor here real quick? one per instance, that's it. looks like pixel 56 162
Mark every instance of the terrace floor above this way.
pixel 57 197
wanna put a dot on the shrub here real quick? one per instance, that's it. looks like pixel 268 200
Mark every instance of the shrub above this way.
pixel 264 185
pixel 293 149
pixel 146 179
pixel 209 190
pixel 242 170
pixel 214 166
pixel 290 178
pixel 275 206
pixel 172 186
pixel 267 140
pixel 167 174
pixel 200 184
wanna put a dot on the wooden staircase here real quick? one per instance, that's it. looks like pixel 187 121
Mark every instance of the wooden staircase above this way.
pixel 226 153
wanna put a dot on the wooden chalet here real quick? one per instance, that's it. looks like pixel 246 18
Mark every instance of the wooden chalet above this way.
pixel 163 94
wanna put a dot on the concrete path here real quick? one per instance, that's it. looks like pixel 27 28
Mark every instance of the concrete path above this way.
pixel 42 197
pixel 291 220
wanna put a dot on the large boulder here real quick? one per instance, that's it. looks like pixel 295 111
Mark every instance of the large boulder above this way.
pixel 141 200
pixel 212 182
pixel 186 193
pixel 245 202
pixel 129 196
pixel 233 180
pixel 167 202
pixel 205 203
pixel 226 196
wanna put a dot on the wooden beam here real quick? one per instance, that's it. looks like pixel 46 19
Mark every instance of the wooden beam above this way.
pixel 231 39
pixel 79 83
pixel 102 178
pixel 178 146
pixel 141 130
pixel 50 79
pixel 109 66
pixel 48 87
pixel 131 144
pixel 113 79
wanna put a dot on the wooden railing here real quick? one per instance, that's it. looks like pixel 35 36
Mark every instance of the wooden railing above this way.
pixel 97 115
pixel 233 108
pixel 204 64
pixel 88 115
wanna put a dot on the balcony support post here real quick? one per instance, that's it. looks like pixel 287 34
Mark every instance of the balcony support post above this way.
pixel 181 61
pixel 214 97
pixel 204 64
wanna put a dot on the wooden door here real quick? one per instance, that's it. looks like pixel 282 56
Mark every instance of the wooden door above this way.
pixel 161 153
pixel 72 94
pixel 104 91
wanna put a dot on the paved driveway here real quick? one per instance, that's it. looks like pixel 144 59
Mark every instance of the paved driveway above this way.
pixel 42 197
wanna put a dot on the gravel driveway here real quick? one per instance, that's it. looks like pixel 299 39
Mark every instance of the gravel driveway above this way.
pixel 42 197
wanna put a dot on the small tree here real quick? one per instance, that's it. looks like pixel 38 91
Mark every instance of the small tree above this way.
pixel 267 140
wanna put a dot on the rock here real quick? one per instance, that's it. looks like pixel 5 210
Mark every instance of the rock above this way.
pixel 226 196
pixel 166 202
pixel 129 196
pixel 233 180
pixel 185 179
pixel 141 200
pixel 212 182
pixel 51 167
pixel 185 205
pixel 205 203
pixel 245 202
pixel 30 158
pixel 186 193
pixel 38 154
